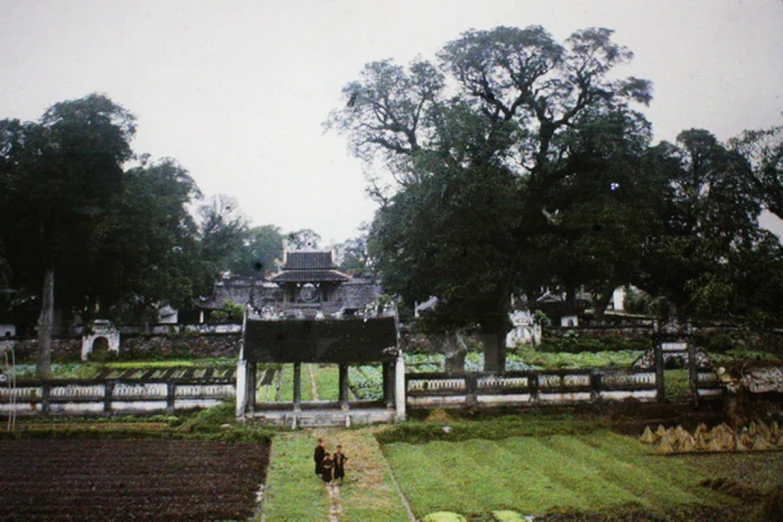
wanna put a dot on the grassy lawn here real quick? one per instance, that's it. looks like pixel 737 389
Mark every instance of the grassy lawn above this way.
pixel 322 377
pixel 537 475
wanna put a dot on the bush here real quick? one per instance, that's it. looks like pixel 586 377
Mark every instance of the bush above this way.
pixel 721 343
pixel 571 342
pixel 230 312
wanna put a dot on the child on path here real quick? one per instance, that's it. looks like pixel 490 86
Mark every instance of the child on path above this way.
pixel 327 469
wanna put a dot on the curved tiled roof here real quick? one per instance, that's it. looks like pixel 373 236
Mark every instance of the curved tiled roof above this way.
pixel 315 260
pixel 309 276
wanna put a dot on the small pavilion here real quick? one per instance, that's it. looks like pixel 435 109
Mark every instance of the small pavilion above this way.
pixel 321 318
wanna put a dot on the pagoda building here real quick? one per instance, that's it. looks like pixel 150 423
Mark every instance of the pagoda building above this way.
pixel 310 280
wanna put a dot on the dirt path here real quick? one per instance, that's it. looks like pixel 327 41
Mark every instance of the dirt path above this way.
pixel 335 504
pixel 369 490
pixel 313 387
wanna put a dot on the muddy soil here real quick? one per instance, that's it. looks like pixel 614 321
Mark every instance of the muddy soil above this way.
pixel 99 480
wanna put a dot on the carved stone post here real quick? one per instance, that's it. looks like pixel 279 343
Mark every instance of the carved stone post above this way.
pixel 343 386
pixel 388 384
pixel 297 386
pixel 660 390
pixel 251 387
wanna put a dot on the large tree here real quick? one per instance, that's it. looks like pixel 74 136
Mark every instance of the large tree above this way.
pixel 262 248
pixel 223 229
pixel 113 238
pixel 354 255
pixel 764 150
pixel 149 251
pixel 512 96
pixel 597 212
pixel 61 173
pixel 707 222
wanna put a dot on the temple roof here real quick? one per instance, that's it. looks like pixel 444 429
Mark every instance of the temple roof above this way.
pixel 308 260
pixel 309 276
pixel 309 267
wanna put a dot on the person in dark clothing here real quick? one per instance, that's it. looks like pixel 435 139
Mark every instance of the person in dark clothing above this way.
pixel 327 469
pixel 339 463
pixel 318 455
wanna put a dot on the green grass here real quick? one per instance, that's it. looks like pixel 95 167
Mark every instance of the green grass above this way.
pixel 327 381
pixel 173 363
pixel 293 492
pixel 531 423
pixel 550 361
pixel 90 370
pixel 325 377
pixel 367 492
pixel 676 385
pixel 536 475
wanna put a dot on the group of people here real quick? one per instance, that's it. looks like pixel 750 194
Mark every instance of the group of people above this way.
pixel 331 467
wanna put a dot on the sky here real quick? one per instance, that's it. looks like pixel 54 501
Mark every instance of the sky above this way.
pixel 237 91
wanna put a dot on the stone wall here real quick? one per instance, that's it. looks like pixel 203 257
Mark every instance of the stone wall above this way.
pixel 195 346
pixel 186 345
pixel 63 349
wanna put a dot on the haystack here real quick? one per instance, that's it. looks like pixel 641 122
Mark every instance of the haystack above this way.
pixel 648 437
pixel 686 443
pixel 761 444
pixel 664 446
pixel 744 441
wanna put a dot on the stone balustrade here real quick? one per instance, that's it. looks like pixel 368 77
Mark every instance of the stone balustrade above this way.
pixel 112 397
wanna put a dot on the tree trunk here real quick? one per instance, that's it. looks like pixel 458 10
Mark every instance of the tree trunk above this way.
pixel 495 350
pixel 45 326
pixel 602 303
pixel 455 352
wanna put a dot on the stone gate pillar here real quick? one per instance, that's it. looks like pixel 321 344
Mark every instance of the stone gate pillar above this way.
pixel 399 387
pixel 241 388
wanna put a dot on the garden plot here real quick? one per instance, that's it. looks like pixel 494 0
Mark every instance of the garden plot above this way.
pixel 97 480
pixel 600 472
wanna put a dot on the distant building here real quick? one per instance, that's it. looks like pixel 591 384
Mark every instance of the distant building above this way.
pixel 308 283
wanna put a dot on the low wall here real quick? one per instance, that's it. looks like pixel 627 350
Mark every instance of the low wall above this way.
pixel 111 397
pixel 529 388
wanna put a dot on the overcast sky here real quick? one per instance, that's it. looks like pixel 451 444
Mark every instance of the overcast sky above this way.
pixel 236 91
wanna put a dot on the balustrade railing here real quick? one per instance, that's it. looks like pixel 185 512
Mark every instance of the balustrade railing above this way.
pixel 107 397
pixel 535 387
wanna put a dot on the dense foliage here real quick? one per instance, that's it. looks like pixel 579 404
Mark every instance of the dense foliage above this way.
pixel 518 163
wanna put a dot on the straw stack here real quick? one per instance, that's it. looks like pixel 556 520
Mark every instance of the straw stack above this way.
pixel 757 436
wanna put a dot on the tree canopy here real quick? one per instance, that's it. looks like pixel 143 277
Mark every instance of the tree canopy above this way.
pixel 518 163
pixel 475 142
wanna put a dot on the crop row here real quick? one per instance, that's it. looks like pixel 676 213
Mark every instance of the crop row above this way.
pixel 129 480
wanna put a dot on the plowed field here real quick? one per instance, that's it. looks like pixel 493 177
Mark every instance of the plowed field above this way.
pixel 101 480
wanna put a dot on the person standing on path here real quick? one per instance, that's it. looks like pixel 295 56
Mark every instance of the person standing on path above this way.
pixel 339 463
pixel 318 455
pixel 327 469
